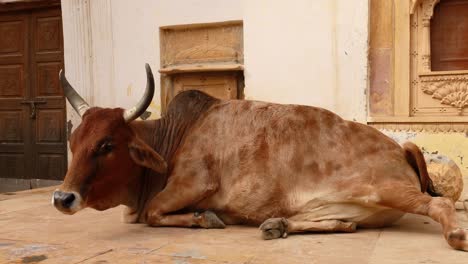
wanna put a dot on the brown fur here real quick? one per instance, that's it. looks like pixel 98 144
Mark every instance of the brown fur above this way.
pixel 416 160
pixel 298 168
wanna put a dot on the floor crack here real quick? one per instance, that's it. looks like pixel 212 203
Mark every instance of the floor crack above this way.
pixel 372 252
pixel 153 250
pixel 95 255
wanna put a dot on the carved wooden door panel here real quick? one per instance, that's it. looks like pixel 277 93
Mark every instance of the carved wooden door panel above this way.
pixel 48 117
pixel 32 106
pixel 14 89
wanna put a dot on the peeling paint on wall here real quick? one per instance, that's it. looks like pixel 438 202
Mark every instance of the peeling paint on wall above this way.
pixel 453 145
pixel 129 90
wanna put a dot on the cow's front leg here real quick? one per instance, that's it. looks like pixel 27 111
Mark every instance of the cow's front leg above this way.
pixel 206 219
pixel 129 215
pixel 175 197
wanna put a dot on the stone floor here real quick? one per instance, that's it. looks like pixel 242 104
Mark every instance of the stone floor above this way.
pixel 32 231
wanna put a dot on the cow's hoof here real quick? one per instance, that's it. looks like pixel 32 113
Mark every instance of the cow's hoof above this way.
pixel 129 216
pixel 209 219
pixel 274 228
pixel 349 227
pixel 457 239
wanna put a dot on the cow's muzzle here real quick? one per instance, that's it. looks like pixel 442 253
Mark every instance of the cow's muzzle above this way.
pixel 67 202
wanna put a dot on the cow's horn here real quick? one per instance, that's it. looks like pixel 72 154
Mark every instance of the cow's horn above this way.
pixel 145 101
pixel 76 101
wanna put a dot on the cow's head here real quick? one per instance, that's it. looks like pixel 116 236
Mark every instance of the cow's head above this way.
pixel 107 154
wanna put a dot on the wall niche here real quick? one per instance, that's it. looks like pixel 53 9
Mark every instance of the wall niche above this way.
pixel 207 57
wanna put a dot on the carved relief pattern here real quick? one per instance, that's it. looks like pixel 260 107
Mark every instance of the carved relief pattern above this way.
pixel 206 53
pixel 11 131
pixel 51 165
pixel 427 12
pixel 205 57
pixel 56 167
pixel 426 61
pixel 423 127
pixel 12 165
pixel 10 40
pixel 48 82
pixel 49 129
pixel 48 34
pixel 202 44
pixel 428 9
pixel 10 85
pixel 450 90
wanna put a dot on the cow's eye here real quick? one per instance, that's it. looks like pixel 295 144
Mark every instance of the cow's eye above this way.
pixel 105 148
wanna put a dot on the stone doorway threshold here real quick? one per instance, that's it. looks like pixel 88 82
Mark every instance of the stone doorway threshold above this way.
pixel 14 185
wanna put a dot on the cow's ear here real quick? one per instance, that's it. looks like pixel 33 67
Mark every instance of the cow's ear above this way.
pixel 145 156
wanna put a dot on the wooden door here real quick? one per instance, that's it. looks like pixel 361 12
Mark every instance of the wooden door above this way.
pixel 49 140
pixel 32 106
pixel 449 36
pixel 14 89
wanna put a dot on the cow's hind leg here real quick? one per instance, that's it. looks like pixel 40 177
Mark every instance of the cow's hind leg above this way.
pixel 442 210
pixel 280 227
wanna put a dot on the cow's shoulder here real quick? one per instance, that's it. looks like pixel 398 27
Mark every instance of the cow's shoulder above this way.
pixel 190 101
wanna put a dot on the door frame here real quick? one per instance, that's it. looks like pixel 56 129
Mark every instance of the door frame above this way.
pixel 28 5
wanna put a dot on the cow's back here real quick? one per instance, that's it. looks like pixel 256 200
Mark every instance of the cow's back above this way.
pixel 272 160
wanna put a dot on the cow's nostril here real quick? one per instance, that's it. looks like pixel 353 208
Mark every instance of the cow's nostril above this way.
pixel 67 199
pixel 56 197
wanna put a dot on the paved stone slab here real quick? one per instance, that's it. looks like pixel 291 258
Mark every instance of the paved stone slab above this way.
pixel 32 231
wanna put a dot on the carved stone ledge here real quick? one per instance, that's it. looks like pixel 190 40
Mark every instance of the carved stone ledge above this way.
pixel 423 127
pixel 428 8
pixel 449 89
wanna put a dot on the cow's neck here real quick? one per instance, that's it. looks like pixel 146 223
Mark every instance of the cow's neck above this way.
pixel 165 135
pixel 147 182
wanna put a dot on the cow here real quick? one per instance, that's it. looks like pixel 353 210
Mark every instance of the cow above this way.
pixel 210 163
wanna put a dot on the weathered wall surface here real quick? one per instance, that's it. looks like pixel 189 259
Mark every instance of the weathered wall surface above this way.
pixel 307 52
pixel 302 52
pixel 452 145
pixel 392 97
pixel 136 39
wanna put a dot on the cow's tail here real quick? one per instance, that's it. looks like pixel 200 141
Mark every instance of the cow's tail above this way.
pixel 415 158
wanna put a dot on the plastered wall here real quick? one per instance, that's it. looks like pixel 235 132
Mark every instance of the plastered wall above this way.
pixel 136 39
pixel 307 52
pixel 453 145
pixel 301 51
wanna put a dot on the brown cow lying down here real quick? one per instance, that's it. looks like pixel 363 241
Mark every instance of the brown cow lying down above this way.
pixel 210 162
